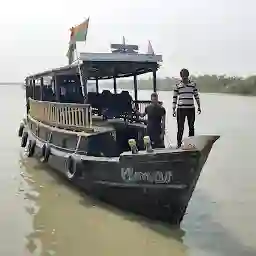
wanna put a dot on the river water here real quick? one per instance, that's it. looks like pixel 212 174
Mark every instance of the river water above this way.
pixel 41 215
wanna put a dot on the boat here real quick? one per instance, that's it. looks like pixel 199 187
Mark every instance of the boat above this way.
pixel 96 141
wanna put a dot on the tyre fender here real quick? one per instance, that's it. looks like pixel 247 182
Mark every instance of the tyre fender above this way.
pixel 31 147
pixel 24 139
pixel 46 152
pixel 72 163
pixel 21 129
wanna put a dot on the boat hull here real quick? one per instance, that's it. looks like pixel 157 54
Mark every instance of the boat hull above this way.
pixel 157 185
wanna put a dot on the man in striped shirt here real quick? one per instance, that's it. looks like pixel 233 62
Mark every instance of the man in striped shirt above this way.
pixel 183 104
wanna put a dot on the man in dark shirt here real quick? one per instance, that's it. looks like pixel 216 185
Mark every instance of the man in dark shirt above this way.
pixel 156 122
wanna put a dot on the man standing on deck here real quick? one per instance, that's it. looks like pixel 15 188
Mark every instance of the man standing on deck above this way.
pixel 183 96
pixel 156 121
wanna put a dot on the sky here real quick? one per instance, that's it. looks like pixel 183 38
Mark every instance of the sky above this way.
pixel 205 36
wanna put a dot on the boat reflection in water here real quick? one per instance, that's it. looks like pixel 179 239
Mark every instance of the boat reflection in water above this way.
pixel 66 222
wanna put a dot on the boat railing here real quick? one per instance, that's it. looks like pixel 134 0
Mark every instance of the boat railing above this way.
pixel 61 115
pixel 141 106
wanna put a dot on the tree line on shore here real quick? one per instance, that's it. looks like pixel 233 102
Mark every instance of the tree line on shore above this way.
pixel 205 83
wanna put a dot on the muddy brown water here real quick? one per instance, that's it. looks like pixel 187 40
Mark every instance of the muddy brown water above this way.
pixel 41 214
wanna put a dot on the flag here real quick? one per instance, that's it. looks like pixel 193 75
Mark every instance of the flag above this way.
pixel 150 49
pixel 71 48
pixel 70 53
pixel 79 32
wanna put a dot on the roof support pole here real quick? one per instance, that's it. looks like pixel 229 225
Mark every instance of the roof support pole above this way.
pixel 83 72
pixel 56 88
pixel 34 88
pixel 115 91
pixel 85 89
pixel 30 90
pixel 41 88
pixel 135 90
pixel 97 84
pixel 154 80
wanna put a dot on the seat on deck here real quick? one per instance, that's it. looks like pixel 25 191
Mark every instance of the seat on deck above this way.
pixel 74 94
pixel 121 104
pixel 116 105
pixel 110 105
pixel 106 101
pixel 126 102
pixel 106 98
pixel 94 99
pixel 48 94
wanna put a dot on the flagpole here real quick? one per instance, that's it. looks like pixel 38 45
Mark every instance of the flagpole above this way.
pixel 79 65
pixel 81 79
pixel 79 68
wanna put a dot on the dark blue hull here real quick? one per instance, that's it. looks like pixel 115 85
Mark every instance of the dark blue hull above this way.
pixel 157 185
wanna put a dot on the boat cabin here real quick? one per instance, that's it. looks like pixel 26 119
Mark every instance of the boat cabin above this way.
pixel 61 98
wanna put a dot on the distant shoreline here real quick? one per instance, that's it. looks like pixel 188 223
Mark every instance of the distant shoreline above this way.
pixel 205 84
pixel 11 83
pixel 200 91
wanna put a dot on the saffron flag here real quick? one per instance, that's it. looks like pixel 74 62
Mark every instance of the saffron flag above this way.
pixel 78 34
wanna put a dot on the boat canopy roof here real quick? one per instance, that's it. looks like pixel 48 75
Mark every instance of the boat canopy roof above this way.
pixel 107 65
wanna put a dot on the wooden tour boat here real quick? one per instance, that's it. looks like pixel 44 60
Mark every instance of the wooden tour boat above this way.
pixel 86 136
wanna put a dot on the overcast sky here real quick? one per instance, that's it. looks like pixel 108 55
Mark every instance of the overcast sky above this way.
pixel 206 36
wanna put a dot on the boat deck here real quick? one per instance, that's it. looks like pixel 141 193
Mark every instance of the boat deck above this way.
pixel 98 126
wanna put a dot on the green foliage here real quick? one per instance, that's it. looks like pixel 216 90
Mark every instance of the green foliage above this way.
pixel 205 83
